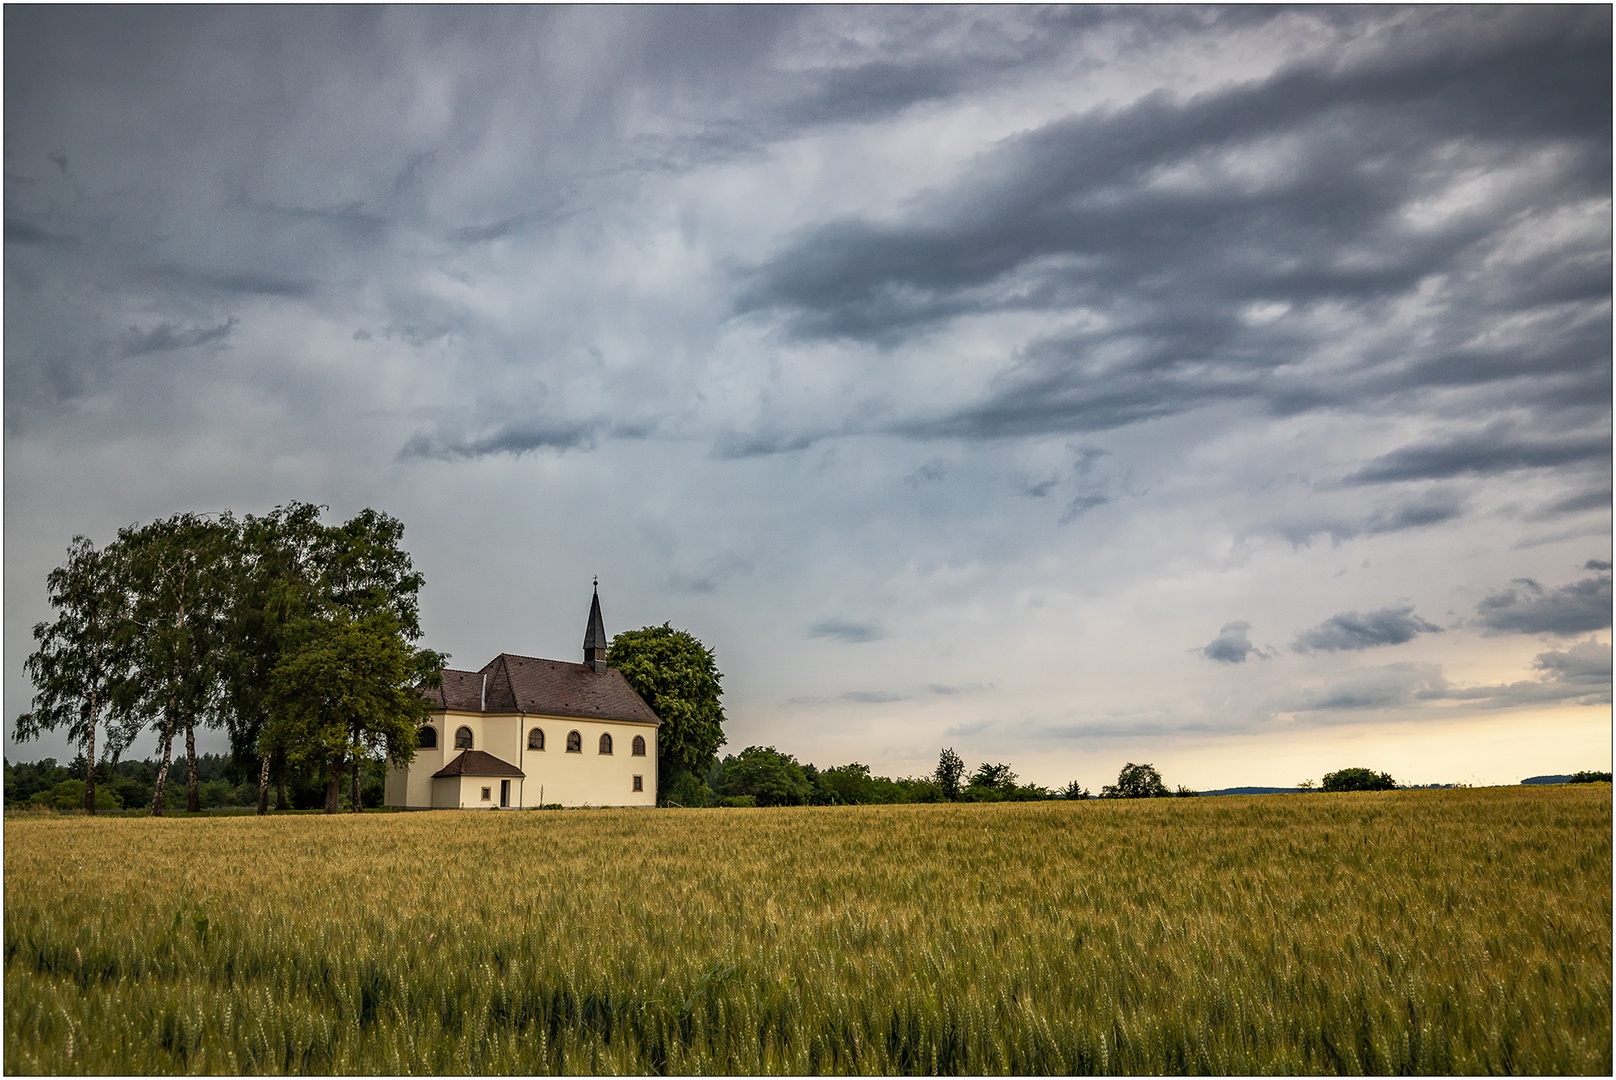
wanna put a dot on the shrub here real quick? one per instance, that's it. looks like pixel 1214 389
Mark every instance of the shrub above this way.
pixel 1589 778
pixel 1358 779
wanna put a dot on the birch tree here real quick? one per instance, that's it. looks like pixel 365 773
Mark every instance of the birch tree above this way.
pixel 81 657
pixel 178 598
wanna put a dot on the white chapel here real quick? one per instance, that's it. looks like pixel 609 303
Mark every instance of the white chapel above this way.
pixel 524 732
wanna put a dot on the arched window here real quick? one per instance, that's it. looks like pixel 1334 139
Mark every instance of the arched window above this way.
pixel 639 746
pixel 427 738
pixel 535 739
pixel 463 739
pixel 575 743
pixel 605 744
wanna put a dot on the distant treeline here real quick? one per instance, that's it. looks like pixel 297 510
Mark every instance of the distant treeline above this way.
pixel 764 776
pixel 1570 778
pixel 131 785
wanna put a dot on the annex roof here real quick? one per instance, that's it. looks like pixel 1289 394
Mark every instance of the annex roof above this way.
pixel 478 763
pixel 547 687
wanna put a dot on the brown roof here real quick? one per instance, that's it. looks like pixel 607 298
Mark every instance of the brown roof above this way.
pixel 549 687
pixel 478 763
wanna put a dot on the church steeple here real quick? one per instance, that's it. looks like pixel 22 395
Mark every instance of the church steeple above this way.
pixel 595 636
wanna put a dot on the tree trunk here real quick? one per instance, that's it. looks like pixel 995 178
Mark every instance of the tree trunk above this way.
pixel 333 785
pixel 162 771
pixel 263 786
pixel 89 764
pixel 353 790
pixel 280 787
pixel 193 801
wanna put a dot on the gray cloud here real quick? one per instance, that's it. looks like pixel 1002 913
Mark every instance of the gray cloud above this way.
pixel 768 307
pixel 1484 454
pixel 1394 686
pixel 843 630
pixel 1580 675
pixel 26 232
pixel 516 439
pixel 1232 645
pixel 1526 607
pixel 873 697
pixel 1075 215
pixel 169 337
pixel 1351 631
pixel 710 574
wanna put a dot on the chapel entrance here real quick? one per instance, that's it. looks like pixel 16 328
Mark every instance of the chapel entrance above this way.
pixel 505 793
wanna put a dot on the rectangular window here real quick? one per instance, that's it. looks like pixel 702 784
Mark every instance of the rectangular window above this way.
pixel 639 785
pixel 488 794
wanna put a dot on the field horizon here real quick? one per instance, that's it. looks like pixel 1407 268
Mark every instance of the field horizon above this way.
pixel 1428 931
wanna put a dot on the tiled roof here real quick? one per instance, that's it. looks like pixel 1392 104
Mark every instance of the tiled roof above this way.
pixel 478 763
pixel 548 687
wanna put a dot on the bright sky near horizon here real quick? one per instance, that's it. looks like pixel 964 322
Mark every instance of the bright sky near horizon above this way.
pixel 1228 389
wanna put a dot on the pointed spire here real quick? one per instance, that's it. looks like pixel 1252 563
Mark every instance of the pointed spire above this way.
pixel 595 635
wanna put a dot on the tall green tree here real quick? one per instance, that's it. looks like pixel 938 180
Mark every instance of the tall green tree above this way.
pixel 949 770
pixel 347 693
pixel 275 573
pixel 179 585
pixel 81 656
pixel 678 677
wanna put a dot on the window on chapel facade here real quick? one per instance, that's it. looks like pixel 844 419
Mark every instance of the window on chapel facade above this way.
pixel 639 746
pixel 427 738
pixel 575 743
pixel 605 744
pixel 463 739
pixel 535 739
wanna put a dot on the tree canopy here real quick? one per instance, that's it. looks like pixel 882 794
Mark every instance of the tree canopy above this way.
pixel 1358 779
pixel 679 679
pixel 1136 782
pixel 296 637
pixel 765 775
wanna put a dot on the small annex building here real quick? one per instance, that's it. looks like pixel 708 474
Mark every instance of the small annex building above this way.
pixel 524 732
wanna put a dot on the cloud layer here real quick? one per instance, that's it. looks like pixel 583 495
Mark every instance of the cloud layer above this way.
pixel 888 349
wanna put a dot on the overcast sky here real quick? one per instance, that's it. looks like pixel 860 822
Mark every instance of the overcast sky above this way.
pixel 1223 389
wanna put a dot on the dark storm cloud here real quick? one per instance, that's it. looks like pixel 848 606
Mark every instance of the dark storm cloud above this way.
pixel 1596 564
pixel 1526 607
pixel 1483 454
pixel 1088 212
pixel 1232 645
pixel 844 630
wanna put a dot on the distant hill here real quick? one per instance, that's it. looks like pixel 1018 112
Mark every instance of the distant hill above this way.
pixel 1558 778
pixel 1253 791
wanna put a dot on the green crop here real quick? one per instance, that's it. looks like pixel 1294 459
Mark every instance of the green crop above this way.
pixel 1453 931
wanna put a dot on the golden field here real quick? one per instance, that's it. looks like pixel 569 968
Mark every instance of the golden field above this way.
pixel 1454 931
